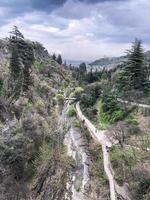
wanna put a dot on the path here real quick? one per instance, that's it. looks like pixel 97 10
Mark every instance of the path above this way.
pixel 133 103
pixel 100 137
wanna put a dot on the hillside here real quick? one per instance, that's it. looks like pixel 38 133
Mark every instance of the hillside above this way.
pixel 30 130
pixel 109 61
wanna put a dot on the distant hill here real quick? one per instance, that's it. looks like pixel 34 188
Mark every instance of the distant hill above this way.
pixel 112 62
pixel 75 63
pixel 109 61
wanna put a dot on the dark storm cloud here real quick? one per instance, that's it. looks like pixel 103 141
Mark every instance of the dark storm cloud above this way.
pixel 14 8
pixel 21 6
pixel 99 1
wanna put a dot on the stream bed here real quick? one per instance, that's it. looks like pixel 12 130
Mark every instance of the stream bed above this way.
pixel 76 144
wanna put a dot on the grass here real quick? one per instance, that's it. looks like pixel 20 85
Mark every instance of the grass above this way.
pixel 128 166
pixel 65 128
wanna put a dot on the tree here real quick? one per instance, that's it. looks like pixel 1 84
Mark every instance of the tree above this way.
pixel 120 132
pixel 54 56
pixel 134 71
pixel 82 68
pixel 59 59
pixel 15 64
pixel 22 58
pixel 16 33
pixel 82 71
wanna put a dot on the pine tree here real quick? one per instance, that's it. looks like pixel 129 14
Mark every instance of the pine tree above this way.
pixel 15 64
pixel 134 73
pixel 82 71
pixel 22 58
pixel 54 56
pixel 59 59
pixel 16 33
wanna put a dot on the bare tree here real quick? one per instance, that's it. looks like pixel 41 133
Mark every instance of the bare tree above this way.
pixel 119 132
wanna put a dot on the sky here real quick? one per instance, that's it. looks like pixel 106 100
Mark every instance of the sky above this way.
pixel 79 29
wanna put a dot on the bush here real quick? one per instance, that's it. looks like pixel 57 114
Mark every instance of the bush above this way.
pixel 1 85
pixel 117 115
pixel 71 112
pixel 76 122
pixel 92 93
pixel 60 99
pixel 143 188
pixel 77 92
pixel 110 111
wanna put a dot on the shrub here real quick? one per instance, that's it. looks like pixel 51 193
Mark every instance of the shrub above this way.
pixel 110 111
pixel 117 115
pixel 92 93
pixel 71 112
pixel 1 85
pixel 77 123
pixel 144 187
pixel 60 99
pixel 77 92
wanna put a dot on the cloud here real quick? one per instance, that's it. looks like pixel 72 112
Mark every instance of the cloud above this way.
pixel 79 29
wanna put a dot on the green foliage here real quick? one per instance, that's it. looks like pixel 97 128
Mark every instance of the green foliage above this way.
pixel 18 130
pixel 71 112
pixel 15 63
pixel 77 92
pixel 131 120
pixel 143 188
pixel 16 33
pixel 77 123
pixel 97 171
pixel 134 72
pixel 122 161
pixel 95 76
pixel 110 111
pixel 92 93
pixel 22 58
pixel 82 72
pixel 82 68
pixel 54 56
pixel 60 99
pixel 132 124
pixel 59 59
pixel 1 85
pixel 65 128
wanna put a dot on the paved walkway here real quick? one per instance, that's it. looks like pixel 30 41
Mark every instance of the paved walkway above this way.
pixel 100 137
pixel 133 103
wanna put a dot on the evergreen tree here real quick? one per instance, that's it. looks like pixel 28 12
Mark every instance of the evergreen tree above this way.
pixel 82 68
pixel 16 33
pixel 54 56
pixel 82 71
pixel 59 59
pixel 22 58
pixel 134 73
pixel 15 64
